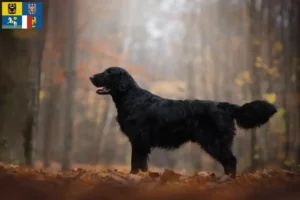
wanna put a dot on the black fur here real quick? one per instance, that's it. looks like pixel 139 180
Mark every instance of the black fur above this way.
pixel 151 121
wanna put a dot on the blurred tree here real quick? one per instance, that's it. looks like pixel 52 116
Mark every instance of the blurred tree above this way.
pixel 19 85
pixel 287 15
pixel 70 74
pixel 255 40
pixel 296 4
pixel 52 84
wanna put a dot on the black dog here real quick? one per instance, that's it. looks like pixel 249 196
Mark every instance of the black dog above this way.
pixel 151 121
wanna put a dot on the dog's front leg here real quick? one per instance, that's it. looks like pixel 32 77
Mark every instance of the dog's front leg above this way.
pixel 139 159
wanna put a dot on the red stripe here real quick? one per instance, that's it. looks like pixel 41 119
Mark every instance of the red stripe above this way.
pixel 29 22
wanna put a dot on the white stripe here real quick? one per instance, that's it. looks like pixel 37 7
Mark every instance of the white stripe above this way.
pixel 24 22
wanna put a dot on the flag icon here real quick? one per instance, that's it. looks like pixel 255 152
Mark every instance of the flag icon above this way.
pixel 28 22
pixel 22 15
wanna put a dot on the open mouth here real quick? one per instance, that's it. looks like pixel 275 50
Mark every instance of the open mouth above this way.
pixel 102 90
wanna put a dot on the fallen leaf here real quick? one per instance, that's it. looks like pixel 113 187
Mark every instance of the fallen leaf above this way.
pixel 169 175
pixel 135 178
pixel 153 175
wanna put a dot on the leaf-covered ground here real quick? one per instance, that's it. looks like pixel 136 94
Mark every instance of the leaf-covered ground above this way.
pixel 79 184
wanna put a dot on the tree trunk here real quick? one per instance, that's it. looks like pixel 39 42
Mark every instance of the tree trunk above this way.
pixel 52 95
pixel 287 87
pixel 14 89
pixel 297 54
pixel 255 93
pixel 18 100
pixel 37 50
pixel 269 27
pixel 49 116
pixel 70 87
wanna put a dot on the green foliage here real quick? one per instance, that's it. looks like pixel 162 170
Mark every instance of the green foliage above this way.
pixel 258 62
pixel 273 71
pixel 270 70
pixel 280 112
pixel 277 124
pixel 243 78
pixel 239 82
pixel 270 97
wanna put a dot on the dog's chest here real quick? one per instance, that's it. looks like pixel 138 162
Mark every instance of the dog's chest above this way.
pixel 128 121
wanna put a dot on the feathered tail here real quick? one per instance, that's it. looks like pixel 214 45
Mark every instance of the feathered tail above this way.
pixel 251 115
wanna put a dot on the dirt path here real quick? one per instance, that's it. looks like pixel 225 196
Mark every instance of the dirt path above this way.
pixel 21 183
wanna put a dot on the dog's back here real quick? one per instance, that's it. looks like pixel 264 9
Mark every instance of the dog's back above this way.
pixel 170 123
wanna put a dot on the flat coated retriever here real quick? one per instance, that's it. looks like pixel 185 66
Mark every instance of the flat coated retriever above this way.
pixel 151 121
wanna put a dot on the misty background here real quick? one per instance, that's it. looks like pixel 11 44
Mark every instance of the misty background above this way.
pixel 222 50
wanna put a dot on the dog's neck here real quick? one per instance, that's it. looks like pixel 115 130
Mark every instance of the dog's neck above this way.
pixel 126 97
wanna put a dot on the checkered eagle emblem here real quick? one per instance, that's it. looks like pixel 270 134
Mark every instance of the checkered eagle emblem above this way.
pixel 32 8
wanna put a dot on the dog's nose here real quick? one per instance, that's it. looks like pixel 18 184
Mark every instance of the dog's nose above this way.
pixel 92 77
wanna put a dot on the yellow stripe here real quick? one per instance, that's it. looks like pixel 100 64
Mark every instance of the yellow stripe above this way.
pixel 5 8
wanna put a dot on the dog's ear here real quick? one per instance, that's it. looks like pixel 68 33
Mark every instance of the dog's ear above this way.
pixel 124 82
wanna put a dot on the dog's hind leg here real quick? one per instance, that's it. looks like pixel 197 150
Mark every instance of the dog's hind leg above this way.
pixel 228 160
pixel 225 156
pixel 220 151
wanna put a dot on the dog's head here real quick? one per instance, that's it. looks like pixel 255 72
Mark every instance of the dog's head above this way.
pixel 113 80
pixel 12 7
